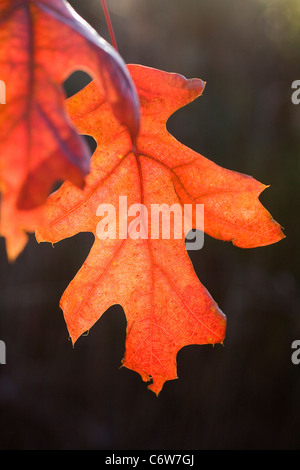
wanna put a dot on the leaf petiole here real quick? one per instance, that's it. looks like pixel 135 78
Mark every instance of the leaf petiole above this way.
pixel 109 24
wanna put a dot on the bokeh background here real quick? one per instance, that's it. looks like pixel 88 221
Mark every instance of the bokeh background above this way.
pixel 245 394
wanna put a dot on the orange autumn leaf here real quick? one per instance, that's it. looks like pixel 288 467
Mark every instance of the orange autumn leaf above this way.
pixel 153 279
pixel 41 43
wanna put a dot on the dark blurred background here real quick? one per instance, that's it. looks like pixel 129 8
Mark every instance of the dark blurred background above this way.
pixel 245 394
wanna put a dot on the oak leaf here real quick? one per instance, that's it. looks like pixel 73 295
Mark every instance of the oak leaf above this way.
pixel 166 306
pixel 41 43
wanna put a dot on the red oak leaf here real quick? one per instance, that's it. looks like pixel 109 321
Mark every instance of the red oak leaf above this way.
pixel 152 278
pixel 41 43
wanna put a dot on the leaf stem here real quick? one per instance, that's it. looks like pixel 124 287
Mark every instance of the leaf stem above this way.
pixel 109 24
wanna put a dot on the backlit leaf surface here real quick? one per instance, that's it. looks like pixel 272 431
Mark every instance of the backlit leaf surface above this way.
pixel 165 304
pixel 41 43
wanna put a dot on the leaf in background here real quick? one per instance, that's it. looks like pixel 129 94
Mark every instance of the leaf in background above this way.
pixel 41 43
pixel 166 306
